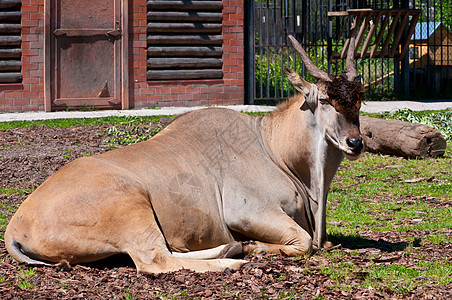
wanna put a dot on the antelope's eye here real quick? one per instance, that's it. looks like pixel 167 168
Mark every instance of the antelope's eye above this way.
pixel 324 102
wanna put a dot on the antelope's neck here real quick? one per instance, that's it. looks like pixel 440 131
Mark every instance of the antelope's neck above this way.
pixel 291 142
pixel 299 145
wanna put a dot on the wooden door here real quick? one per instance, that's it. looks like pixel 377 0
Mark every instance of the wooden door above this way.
pixel 86 54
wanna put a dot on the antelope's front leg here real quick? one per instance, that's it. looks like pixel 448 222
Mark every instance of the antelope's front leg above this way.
pixel 274 232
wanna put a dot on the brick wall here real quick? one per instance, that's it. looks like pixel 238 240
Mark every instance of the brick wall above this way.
pixel 29 95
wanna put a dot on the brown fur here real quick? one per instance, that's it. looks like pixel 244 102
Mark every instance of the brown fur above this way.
pixel 283 106
pixel 346 96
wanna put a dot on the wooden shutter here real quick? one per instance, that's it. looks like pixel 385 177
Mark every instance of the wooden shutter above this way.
pixel 10 40
pixel 184 40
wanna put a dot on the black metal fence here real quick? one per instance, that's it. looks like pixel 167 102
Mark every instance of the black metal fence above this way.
pixel 425 73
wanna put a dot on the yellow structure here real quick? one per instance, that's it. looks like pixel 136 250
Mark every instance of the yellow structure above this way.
pixel 431 44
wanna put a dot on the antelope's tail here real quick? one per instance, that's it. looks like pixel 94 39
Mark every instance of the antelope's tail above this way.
pixel 16 250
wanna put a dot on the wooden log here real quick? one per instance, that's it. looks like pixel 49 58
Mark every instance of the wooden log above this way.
pixel 195 27
pixel 9 16
pixel 5 4
pixel 184 74
pixel 181 63
pixel 156 16
pixel 211 51
pixel 185 5
pixel 6 77
pixel 10 40
pixel 10 28
pixel 400 138
pixel 10 53
pixel 201 39
pixel 10 65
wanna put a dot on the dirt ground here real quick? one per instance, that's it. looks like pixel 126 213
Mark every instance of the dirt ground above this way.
pixel 29 155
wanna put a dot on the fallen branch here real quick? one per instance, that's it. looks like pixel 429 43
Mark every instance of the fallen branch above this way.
pixel 401 138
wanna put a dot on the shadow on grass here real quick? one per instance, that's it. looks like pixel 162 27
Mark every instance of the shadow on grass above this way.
pixel 354 242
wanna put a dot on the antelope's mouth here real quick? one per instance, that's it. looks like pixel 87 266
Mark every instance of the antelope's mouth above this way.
pixel 352 148
pixel 353 157
pixel 350 154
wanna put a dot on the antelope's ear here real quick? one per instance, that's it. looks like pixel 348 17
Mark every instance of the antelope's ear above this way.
pixel 302 86
pixel 298 82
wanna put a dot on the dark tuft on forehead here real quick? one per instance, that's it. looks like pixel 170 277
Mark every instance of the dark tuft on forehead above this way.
pixel 345 95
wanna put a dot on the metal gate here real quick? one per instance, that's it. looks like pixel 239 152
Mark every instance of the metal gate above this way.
pixel 425 73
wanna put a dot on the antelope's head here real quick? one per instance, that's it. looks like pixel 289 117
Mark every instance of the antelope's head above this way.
pixel 335 102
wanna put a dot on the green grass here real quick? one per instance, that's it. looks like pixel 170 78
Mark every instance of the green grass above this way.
pixel 128 294
pixel 23 278
pixel 339 271
pixel 62 285
pixel 404 279
pixel 256 113
pixel 366 193
pixel 65 123
pixel 390 276
pixel 368 196
pixel 288 295
pixel 9 191
pixel 438 238
pixel 129 132
pixel 397 277
pixel 171 295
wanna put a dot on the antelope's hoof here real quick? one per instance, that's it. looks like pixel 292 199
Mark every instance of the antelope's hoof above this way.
pixel 327 245
pixel 232 250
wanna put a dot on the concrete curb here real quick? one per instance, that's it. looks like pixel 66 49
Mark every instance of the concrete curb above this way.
pixel 383 106
pixel 370 107
pixel 33 116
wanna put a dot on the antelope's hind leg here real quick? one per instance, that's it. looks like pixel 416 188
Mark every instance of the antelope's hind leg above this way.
pixel 145 244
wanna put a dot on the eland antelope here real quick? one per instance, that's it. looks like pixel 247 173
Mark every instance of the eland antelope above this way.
pixel 213 178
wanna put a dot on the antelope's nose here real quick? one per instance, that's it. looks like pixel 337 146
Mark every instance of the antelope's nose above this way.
pixel 355 145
